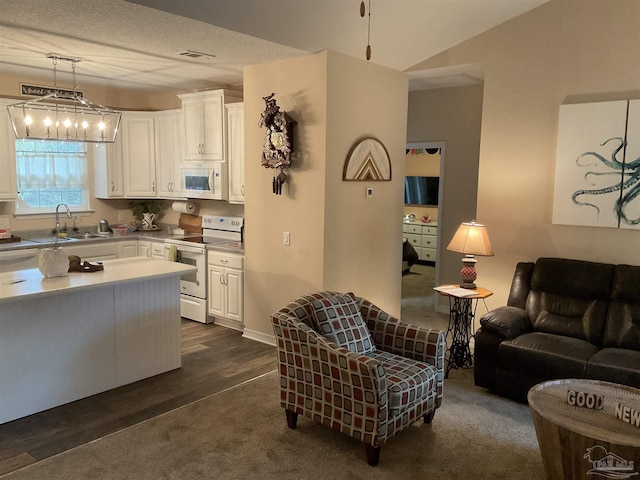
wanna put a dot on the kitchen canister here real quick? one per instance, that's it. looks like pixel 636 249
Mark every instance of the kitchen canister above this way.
pixel 53 262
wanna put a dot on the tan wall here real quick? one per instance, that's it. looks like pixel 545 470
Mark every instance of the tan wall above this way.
pixel 319 92
pixel 565 51
pixel 452 116
pixel 275 274
pixel 121 98
pixel 363 236
pixel 426 164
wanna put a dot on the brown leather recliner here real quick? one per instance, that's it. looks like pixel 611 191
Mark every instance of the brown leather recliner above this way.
pixel 563 319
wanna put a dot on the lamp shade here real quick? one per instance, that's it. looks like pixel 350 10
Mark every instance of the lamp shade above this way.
pixel 471 238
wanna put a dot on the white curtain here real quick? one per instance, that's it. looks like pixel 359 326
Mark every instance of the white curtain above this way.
pixel 51 170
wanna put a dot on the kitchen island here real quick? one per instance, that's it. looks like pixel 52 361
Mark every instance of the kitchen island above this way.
pixel 66 338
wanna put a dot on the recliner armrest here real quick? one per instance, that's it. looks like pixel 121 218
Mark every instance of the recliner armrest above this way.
pixel 506 322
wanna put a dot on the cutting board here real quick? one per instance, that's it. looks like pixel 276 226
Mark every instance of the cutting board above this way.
pixel 190 223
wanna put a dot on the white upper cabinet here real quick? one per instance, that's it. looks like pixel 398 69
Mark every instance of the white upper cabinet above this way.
pixel 138 154
pixel 235 151
pixel 169 152
pixel 204 124
pixel 107 169
pixel 7 156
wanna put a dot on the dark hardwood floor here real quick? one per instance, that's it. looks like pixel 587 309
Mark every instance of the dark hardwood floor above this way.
pixel 213 358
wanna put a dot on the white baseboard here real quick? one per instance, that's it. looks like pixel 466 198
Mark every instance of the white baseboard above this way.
pixel 259 337
pixel 225 322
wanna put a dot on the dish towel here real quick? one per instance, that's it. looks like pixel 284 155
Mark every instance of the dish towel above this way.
pixel 172 256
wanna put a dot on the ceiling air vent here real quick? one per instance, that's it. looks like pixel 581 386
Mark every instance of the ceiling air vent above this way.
pixel 196 55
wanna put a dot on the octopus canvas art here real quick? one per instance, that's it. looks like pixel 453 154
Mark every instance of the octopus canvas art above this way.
pixel 597 179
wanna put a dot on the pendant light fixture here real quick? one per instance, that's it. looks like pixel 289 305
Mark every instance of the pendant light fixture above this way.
pixel 64 115
pixel 364 10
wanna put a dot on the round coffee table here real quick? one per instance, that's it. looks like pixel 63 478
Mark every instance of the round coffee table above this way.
pixel 586 441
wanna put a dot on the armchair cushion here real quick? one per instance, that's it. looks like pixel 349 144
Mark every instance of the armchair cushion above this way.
pixel 408 381
pixel 339 320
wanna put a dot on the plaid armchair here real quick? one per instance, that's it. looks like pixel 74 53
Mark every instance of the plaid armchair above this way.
pixel 370 396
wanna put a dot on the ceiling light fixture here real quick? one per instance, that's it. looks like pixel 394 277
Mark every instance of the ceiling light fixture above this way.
pixel 64 115
pixel 364 10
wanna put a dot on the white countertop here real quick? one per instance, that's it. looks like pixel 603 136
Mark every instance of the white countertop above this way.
pixel 17 286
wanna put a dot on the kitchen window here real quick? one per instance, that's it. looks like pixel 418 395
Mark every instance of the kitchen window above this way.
pixel 49 173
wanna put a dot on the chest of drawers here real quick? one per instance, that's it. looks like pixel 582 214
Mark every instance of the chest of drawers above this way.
pixel 424 239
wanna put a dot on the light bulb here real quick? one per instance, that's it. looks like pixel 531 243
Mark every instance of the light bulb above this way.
pixel 101 125
pixel 47 121
pixel 67 123
pixel 28 120
pixel 85 124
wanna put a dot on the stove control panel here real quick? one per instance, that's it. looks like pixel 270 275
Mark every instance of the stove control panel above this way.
pixel 225 223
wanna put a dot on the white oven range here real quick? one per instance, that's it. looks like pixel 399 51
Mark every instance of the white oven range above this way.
pixel 192 250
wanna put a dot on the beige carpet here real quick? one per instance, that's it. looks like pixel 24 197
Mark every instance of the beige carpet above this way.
pixel 418 298
pixel 241 433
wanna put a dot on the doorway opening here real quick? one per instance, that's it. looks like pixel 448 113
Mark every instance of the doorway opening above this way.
pixel 424 164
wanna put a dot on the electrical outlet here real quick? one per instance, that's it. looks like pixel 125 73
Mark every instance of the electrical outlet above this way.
pixel 122 215
pixel 4 222
pixel 286 239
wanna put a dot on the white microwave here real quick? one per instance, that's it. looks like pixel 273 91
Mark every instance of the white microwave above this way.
pixel 205 180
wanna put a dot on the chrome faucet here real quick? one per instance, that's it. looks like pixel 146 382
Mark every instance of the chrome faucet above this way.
pixel 58 216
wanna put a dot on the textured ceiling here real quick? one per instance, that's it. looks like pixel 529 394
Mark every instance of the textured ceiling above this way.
pixel 127 43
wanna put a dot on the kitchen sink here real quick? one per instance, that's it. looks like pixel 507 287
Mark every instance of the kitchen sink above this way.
pixel 88 235
pixel 51 239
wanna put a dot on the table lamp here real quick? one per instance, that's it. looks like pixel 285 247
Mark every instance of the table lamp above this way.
pixel 471 238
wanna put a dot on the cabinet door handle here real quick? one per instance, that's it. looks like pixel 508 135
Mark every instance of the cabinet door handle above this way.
pixel 242 190
pixel 153 186
pixel 113 187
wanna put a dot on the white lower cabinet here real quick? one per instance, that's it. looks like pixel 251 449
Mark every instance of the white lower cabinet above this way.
pixel 158 250
pixel 144 248
pixel 127 249
pixel 226 289
pixel 151 249
pixel 94 252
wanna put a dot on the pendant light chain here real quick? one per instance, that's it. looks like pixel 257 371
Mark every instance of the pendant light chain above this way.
pixel 369 34
pixel 75 83
pixel 362 12
pixel 55 74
